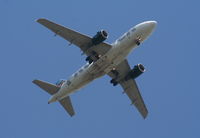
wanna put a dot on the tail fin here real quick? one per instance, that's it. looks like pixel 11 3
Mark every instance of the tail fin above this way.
pixel 48 87
pixel 52 89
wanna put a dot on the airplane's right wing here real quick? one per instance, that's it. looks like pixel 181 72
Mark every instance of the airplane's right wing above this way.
pixel 84 42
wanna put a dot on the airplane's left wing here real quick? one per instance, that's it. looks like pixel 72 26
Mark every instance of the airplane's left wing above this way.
pixel 130 87
pixel 84 42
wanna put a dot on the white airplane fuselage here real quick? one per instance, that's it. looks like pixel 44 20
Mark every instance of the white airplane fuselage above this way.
pixel 119 51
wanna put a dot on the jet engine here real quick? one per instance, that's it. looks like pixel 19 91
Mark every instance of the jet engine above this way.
pixel 135 72
pixel 99 37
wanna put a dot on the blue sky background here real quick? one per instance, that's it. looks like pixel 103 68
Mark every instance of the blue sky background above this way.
pixel 170 86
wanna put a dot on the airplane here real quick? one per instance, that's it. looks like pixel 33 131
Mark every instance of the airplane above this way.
pixel 102 59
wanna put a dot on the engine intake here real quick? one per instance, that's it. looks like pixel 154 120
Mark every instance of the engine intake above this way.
pixel 99 37
pixel 135 72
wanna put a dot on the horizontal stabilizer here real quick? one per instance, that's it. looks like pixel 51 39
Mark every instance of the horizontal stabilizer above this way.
pixel 66 103
pixel 52 89
pixel 48 87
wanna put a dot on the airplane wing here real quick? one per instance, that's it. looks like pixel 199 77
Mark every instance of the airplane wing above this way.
pixel 130 88
pixel 84 42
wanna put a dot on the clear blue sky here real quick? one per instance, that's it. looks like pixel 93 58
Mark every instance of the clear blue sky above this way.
pixel 170 86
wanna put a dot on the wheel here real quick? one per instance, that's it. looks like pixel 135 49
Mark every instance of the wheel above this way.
pixel 116 73
pixel 138 39
pixel 114 82
pixel 89 59
pixel 95 54
pixel 137 42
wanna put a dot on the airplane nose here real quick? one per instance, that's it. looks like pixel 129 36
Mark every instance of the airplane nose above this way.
pixel 145 29
pixel 151 24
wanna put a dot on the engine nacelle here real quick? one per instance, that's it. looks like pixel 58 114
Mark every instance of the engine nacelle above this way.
pixel 99 37
pixel 135 72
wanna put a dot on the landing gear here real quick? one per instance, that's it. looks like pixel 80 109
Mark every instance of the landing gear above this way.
pixel 115 72
pixel 95 55
pixel 89 59
pixel 114 82
pixel 137 41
